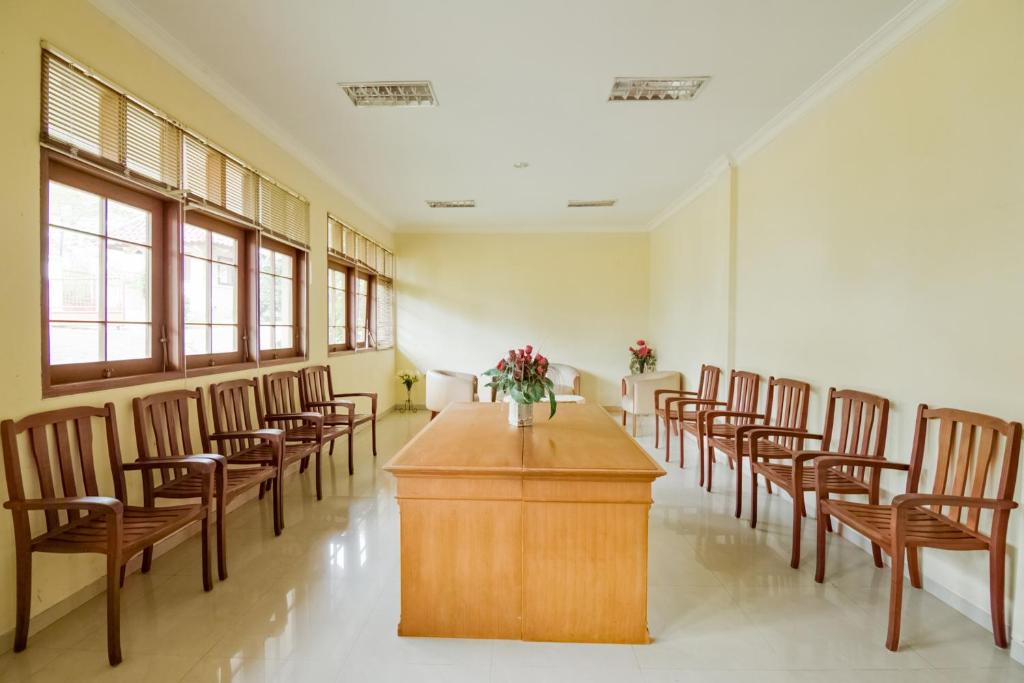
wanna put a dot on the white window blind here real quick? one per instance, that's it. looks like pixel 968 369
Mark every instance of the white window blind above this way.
pixel 356 247
pixel 385 314
pixel 85 117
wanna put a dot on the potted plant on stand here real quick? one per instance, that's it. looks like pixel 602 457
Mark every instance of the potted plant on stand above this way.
pixel 523 377
pixel 408 378
pixel 642 358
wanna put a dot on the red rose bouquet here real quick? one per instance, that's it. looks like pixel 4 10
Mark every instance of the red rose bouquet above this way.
pixel 642 358
pixel 523 376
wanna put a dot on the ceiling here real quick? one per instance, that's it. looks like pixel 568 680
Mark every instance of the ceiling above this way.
pixel 516 81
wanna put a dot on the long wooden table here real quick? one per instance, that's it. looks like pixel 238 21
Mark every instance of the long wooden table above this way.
pixel 537 533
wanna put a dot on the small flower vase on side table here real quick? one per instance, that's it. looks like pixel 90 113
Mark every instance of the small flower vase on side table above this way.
pixel 520 414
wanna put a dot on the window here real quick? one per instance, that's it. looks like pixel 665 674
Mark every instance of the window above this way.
pixel 279 271
pixel 363 306
pixel 337 307
pixel 103 280
pixel 385 314
pixel 214 291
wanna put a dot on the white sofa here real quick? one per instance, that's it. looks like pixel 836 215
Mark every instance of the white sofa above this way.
pixel 445 387
pixel 638 392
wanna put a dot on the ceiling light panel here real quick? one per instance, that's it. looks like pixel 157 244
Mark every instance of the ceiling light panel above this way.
pixel 656 89
pixel 590 203
pixel 391 94
pixel 452 204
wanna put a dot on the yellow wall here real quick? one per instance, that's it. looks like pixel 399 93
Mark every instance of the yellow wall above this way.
pixel 78 29
pixel 580 299
pixel 878 246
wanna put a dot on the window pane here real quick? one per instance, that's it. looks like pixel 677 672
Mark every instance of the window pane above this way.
pixel 336 335
pixel 225 338
pixel 127 341
pixel 197 339
pixel 282 264
pixel 283 337
pixel 225 249
pixel 266 299
pixel 130 223
pixel 127 282
pixel 266 337
pixel 283 301
pixel 225 294
pixel 197 241
pixel 74 276
pixel 266 260
pixel 197 304
pixel 73 208
pixel 75 343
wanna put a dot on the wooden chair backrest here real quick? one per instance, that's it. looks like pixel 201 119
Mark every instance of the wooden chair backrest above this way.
pixel 316 387
pixel 786 406
pixel 856 423
pixel 283 394
pixel 743 387
pixel 969 447
pixel 163 428
pixel 61 444
pixel 237 407
pixel 709 378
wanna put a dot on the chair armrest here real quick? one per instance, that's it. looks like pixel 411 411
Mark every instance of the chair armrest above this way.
pixel 328 404
pixel 910 500
pixel 271 435
pixel 658 393
pixel 199 463
pixel 103 504
pixel 710 416
pixel 693 401
pixel 313 418
pixel 372 395
pixel 755 433
pixel 829 460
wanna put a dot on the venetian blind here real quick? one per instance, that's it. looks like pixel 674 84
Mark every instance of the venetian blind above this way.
pixel 351 244
pixel 385 315
pixel 211 177
pixel 283 213
pixel 85 117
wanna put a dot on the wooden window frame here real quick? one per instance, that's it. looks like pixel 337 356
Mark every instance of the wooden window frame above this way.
pixel 346 268
pixel 371 310
pixel 300 262
pixel 165 360
pixel 248 284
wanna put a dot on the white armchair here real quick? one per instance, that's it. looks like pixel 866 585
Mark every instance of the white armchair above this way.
pixel 638 392
pixel 486 394
pixel 444 387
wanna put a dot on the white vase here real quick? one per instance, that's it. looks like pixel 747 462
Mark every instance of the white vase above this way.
pixel 520 414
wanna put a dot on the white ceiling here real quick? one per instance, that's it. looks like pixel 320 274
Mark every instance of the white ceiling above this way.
pixel 517 81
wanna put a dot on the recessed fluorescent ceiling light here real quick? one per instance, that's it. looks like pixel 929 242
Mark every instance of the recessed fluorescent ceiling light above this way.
pixel 452 204
pixel 590 203
pixel 391 94
pixel 656 89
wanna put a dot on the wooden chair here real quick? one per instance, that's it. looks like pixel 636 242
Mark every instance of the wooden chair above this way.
pixel 741 398
pixel 678 418
pixel 89 523
pixel 970 446
pixel 318 395
pixel 163 430
pixel 304 430
pixel 785 406
pixel 862 423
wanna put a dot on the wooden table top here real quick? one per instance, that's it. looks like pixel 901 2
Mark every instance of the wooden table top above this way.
pixel 475 439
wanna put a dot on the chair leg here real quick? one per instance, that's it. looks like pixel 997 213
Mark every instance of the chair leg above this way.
pixel 276 504
pixel 634 425
pixel 319 486
pixel 657 429
pixel 331 451
pixel 892 639
pixel 205 540
pixel 114 608
pixel 623 418
pixel 710 467
pixel 997 588
pixel 668 438
pixel 373 431
pixel 876 554
pixel 798 513
pixel 753 497
pixel 222 545
pixel 819 566
pixel 351 438
pixel 147 560
pixel 739 485
pixel 263 488
pixel 23 611
pixel 914 566
pixel 120 576
pixel 682 447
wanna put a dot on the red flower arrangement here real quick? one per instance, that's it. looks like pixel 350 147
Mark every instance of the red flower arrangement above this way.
pixel 643 358
pixel 523 376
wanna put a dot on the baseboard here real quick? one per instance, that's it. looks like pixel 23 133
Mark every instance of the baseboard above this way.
pixel 61 609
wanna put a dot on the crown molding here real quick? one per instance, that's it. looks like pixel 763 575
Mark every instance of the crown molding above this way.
pixel 878 45
pixel 145 29
pixel 719 166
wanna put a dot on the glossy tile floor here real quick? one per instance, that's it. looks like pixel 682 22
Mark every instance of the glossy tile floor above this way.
pixel 321 603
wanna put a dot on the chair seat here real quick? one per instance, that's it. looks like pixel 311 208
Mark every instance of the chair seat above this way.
pixel 308 432
pixel 781 474
pixel 673 414
pixel 263 453
pixel 923 527
pixel 237 480
pixel 142 528
pixel 341 420
pixel 721 429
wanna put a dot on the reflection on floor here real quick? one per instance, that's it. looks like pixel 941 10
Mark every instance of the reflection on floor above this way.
pixel 320 603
